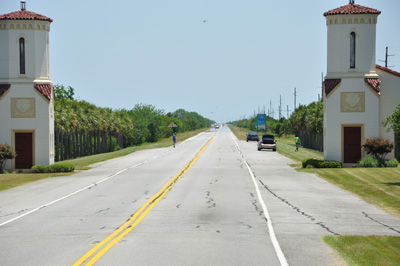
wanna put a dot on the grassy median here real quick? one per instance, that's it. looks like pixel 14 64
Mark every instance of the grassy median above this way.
pixel 377 186
pixel 8 181
pixel 367 250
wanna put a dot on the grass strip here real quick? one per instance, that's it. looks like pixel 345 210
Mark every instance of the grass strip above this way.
pixel 8 181
pixel 377 186
pixel 366 250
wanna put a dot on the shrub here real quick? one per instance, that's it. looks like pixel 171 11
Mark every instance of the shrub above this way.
pixel 330 164
pixel 377 147
pixel 369 162
pixel 317 163
pixel 6 153
pixel 54 168
pixel 61 167
pixel 310 161
pixel 392 163
pixel 39 169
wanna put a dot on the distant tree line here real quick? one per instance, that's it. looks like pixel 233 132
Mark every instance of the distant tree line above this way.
pixel 82 129
pixel 306 122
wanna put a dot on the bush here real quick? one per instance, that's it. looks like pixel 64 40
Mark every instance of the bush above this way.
pixel 369 162
pixel 317 163
pixel 312 162
pixel 54 168
pixel 377 147
pixel 61 167
pixel 39 169
pixel 330 164
pixel 392 163
pixel 6 153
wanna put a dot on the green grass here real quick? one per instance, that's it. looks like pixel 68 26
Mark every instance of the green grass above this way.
pixel 377 186
pixel 8 181
pixel 367 250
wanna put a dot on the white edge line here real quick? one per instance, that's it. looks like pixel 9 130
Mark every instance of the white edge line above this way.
pixel 277 247
pixel 69 195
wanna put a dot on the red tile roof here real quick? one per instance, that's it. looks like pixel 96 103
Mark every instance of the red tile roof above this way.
pixel 45 90
pixel 24 15
pixel 4 88
pixel 374 84
pixel 331 84
pixel 388 70
pixel 352 9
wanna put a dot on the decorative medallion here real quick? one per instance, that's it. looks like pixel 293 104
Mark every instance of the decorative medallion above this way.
pixel 352 102
pixel 23 108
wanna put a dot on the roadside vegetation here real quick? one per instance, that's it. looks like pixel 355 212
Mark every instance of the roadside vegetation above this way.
pixel 366 250
pixel 83 129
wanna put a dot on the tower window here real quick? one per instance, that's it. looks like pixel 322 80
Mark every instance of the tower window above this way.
pixel 353 50
pixel 22 56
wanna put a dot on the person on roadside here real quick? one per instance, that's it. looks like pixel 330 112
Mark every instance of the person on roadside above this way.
pixel 298 142
pixel 174 138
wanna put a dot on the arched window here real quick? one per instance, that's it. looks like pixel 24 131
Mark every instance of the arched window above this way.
pixel 22 56
pixel 353 50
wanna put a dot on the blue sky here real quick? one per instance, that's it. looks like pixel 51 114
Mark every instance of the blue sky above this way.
pixel 161 52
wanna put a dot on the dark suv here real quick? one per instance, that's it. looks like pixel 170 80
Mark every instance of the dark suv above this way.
pixel 252 136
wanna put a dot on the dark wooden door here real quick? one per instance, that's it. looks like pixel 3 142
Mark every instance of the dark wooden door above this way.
pixel 352 144
pixel 23 148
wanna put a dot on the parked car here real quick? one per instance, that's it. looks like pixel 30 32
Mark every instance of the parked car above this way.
pixel 252 136
pixel 267 142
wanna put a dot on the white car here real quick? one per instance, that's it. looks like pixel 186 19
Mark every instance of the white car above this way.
pixel 267 142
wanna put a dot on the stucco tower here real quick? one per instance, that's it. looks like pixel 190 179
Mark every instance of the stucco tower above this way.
pixel 26 93
pixel 351 88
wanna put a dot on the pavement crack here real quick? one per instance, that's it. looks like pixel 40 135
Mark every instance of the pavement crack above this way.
pixel 385 225
pixel 102 210
pixel 297 209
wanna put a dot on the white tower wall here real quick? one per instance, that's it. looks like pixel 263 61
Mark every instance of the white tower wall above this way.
pixel 27 106
pixel 339 29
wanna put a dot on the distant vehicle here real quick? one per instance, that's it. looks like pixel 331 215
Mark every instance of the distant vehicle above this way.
pixel 216 126
pixel 252 136
pixel 267 142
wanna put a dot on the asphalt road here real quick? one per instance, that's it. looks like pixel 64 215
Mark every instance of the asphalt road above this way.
pixel 225 209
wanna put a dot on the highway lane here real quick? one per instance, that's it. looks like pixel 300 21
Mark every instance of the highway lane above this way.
pixel 211 216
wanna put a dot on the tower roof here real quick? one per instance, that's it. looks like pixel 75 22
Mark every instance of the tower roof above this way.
pixel 352 9
pixel 24 15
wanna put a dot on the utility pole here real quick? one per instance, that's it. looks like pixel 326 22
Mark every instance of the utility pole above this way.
pixel 270 106
pixel 280 106
pixel 386 57
pixel 287 106
pixel 295 94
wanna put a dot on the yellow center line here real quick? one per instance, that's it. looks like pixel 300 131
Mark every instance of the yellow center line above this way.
pixel 137 217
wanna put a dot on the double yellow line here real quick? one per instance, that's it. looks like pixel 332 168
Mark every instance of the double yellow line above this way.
pixel 112 239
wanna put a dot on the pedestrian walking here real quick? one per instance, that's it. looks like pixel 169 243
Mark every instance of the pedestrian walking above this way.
pixel 174 138
pixel 298 142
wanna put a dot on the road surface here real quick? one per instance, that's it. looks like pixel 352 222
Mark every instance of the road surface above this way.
pixel 212 200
